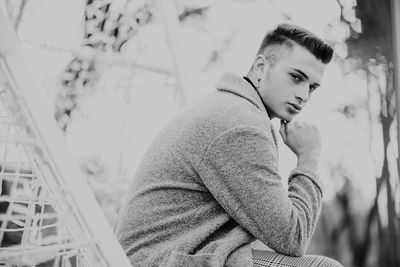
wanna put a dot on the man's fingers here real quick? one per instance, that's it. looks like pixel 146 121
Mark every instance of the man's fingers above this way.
pixel 282 130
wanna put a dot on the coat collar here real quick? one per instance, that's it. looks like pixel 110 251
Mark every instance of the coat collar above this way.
pixel 232 83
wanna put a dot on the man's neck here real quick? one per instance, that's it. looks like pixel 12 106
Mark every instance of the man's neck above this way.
pixel 252 84
pixel 258 93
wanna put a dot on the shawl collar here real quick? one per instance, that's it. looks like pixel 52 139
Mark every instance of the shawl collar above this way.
pixel 232 83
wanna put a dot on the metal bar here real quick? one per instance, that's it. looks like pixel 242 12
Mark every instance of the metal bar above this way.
pixel 114 58
pixel 169 16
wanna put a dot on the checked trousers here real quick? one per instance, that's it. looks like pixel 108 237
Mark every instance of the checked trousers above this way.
pixel 263 258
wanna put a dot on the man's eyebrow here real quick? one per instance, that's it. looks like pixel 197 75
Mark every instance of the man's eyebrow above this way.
pixel 305 76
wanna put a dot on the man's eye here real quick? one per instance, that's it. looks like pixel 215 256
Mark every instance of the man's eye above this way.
pixel 296 78
pixel 313 88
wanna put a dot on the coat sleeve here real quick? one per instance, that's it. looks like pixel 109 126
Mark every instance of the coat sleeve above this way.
pixel 240 169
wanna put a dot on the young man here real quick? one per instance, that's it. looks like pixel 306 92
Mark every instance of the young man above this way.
pixel 209 186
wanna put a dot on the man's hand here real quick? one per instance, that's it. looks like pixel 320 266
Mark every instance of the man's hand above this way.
pixel 304 140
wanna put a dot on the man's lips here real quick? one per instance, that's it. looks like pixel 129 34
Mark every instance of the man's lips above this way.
pixel 296 106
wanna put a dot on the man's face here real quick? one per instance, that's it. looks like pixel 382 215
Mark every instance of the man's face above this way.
pixel 286 87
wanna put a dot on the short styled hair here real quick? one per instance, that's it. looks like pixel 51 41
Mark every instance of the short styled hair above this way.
pixel 289 34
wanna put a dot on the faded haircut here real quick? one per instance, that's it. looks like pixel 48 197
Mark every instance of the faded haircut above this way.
pixel 288 35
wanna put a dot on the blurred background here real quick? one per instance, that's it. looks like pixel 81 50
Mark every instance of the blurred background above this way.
pixel 115 72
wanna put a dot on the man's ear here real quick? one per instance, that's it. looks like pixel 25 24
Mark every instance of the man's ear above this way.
pixel 260 66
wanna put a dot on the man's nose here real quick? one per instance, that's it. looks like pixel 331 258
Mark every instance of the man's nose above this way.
pixel 303 94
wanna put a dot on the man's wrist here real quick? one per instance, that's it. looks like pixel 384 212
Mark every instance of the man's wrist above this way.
pixel 308 162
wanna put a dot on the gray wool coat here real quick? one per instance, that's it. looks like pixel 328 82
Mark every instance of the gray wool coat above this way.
pixel 208 186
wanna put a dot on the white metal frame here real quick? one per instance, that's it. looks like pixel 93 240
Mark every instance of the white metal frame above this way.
pixel 53 145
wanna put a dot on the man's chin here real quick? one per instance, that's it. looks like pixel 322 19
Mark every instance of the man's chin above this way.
pixel 286 117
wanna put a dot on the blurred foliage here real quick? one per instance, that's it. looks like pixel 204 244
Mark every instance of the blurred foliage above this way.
pixel 372 50
pixel 107 29
pixel 376 35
